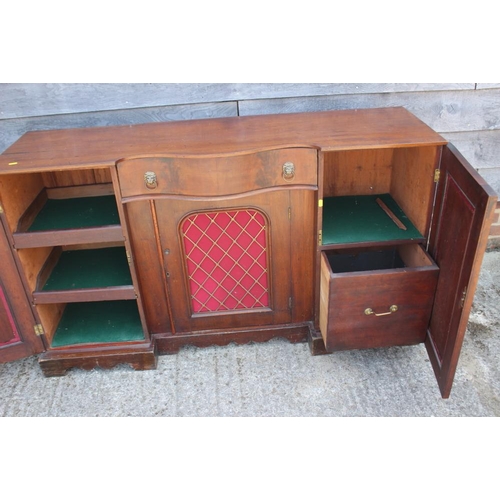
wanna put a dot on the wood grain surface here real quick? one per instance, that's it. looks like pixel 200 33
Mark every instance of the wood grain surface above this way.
pixel 100 147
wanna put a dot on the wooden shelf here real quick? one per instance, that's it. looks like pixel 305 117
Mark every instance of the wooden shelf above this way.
pixel 351 221
pixel 99 323
pixel 50 222
pixel 85 275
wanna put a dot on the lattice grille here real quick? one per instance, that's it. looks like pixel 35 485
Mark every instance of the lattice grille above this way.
pixel 226 256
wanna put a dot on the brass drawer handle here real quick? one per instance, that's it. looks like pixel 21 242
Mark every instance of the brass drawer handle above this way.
pixel 288 171
pixel 150 180
pixel 392 309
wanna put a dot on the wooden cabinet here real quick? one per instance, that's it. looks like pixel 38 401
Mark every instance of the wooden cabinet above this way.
pixel 349 229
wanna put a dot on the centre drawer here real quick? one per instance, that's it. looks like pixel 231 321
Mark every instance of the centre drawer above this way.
pixel 208 175
pixel 376 297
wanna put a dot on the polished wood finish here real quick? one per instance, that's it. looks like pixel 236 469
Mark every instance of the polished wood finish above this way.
pixel 328 131
pixel 148 258
pixel 80 191
pixel 139 356
pixel 98 232
pixel 85 295
pixel 33 261
pixel 413 185
pixel 464 209
pixel 346 296
pixel 303 240
pixel 210 176
pixel 17 195
pixel 49 316
pixel 294 333
pixel 232 164
pixel 361 172
pixel 17 334
pixel 275 205
pixel 235 182
pixel 76 178
pixel 407 174
pixel 8 330
pixel 92 235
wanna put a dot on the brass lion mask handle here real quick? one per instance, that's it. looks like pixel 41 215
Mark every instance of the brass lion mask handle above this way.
pixel 150 180
pixel 288 171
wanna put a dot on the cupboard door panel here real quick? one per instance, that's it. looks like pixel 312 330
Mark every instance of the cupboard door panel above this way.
pixel 462 217
pixel 8 328
pixel 17 336
pixel 227 263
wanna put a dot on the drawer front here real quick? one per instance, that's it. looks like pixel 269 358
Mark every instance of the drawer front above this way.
pixel 218 176
pixel 377 308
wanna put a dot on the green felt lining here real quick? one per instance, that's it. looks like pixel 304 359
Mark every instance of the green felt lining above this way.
pixel 99 322
pixel 77 213
pixel 358 219
pixel 77 269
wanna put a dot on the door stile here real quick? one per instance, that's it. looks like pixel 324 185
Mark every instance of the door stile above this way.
pixel 463 214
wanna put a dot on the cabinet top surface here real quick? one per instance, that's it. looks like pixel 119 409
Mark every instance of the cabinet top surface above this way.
pixel 326 130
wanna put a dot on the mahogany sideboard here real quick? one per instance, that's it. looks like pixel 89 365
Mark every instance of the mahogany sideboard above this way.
pixel 347 229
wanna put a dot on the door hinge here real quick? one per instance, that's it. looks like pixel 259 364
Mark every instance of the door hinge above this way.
pixel 129 259
pixel 320 237
pixel 462 300
pixel 437 175
pixel 1 209
pixel 289 302
pixel 39 329
pixel 289 213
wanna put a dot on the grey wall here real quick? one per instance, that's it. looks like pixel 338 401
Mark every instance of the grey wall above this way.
pixel 467 114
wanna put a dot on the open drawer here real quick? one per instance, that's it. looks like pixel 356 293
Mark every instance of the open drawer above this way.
pixel 376 297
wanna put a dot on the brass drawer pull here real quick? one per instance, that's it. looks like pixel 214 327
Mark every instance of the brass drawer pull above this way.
pixel 392 309
pixel 150 180
pixel 288 171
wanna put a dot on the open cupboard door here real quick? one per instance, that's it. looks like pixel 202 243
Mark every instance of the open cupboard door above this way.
pixel 457 245
pixel 17 324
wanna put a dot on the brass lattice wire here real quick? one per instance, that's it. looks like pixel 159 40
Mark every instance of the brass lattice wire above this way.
pixel 226 260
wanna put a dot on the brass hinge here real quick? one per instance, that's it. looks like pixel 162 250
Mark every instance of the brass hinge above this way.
pixel 320 202
pixel 289 213
pixel 1 209
pixel 39 329
pixel 462 300
pixel 289 302
pixel 320 237
pixel 437 175
pixel 129 259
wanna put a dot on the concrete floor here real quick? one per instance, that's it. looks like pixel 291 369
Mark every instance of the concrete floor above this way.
pixel 277 379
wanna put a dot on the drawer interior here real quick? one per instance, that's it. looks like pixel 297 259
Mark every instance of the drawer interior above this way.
pixel 363 260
